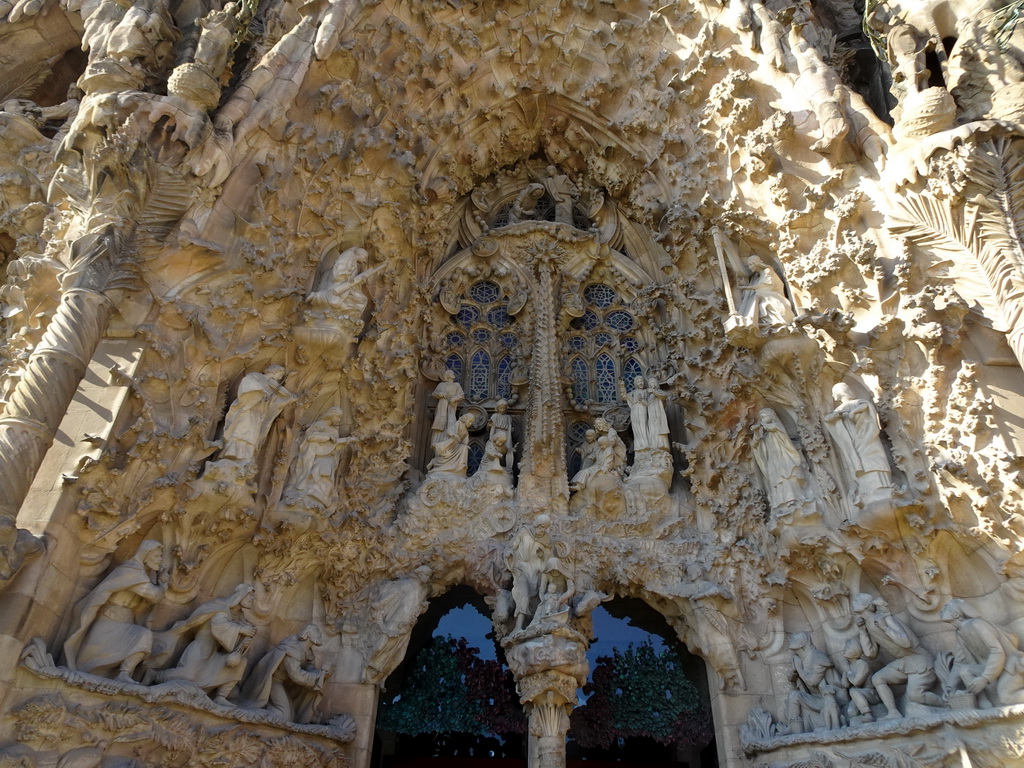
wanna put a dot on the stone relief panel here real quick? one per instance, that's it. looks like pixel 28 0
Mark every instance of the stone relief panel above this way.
pixel 576 302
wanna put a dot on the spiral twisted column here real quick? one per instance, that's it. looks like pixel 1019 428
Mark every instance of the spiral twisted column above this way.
pixel 37 405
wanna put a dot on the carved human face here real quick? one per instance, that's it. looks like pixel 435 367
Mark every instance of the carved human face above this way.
pixel 502 406
pixel 153 558
pixel 638 382
pixel 449 375
pixel 652 383
pixel 590 436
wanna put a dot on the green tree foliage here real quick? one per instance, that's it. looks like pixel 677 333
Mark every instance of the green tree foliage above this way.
pixel 639 692
pixel 450 689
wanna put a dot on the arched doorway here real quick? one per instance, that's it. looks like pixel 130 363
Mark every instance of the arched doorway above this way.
pixel 646 701
pixel 452 701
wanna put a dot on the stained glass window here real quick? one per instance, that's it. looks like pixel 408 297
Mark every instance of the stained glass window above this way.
pixel 604 369
pixel 484 292
pixel 468 314
pixel 600 295
pixel 480 376
pixel 454 364
pixel 630 371
pixel 505 377
pixel 580 380
pixel 485 324
pixel 476 455
pixel 620 320
pixel 587 322
pixel 595 366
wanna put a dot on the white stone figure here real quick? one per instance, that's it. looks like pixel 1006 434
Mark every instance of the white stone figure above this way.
pixel 639 402
pixel 314 477
pixel 339 298
pixel 808 674
pixel 988 660
pixel 553 610
pixel 781 465
pixel 529 560
pixel 286 680
pixel 880 631
pixel 609 461
pixel 394 613
pixel 494 469
pixel 108 633
pixel 261 398
pixel 587 451
pixel 764 305
pixel 451 451
pixel 857 682
pixel 215 658
pixel 657 420
pixel 449 395
pixel 500 423
pixel 854 427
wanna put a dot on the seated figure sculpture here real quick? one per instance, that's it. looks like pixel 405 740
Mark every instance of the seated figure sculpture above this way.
pixel 108 631
pixel 879 630
pixel 988 661
pixel 286 681
pixel 214 659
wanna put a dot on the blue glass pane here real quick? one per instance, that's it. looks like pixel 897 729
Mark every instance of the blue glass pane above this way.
pixel 629 372
pixel 479 376
pixel 481 335
pixel 484 292
pixel 454 364
pixel 509 340
pixel 600 295
pixel 620 320
pixel 586 323
pixel 580 380
pixel 577 343
pixel 630 344
pixel 467 315
pixel 605 376
pixel 498 317
pixel 476 454
pixel 505 377
pixel 603 339
pixel 455 339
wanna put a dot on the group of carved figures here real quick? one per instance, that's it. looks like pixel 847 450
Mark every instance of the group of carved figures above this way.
pixel 854 428
pixel 449 437
pixel 207 651
pixel 985 669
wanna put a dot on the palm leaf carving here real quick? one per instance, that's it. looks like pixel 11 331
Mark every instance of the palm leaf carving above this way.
pixel 980 243
pixel 952 236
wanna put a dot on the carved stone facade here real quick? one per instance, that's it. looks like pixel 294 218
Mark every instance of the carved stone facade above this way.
pixel 315 312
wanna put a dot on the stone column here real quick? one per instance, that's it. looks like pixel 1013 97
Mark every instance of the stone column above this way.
pixel 549 665
pixel 51 377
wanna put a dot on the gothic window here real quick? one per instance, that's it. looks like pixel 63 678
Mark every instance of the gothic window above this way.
pixel 602 349
pixel 476 455
pixel 481 342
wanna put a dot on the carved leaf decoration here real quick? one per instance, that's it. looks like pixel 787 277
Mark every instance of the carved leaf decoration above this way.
pixel 952 237
pixel 996 172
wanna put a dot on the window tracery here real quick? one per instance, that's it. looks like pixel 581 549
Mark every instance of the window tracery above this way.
pixel 482 342
pixel 602 348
